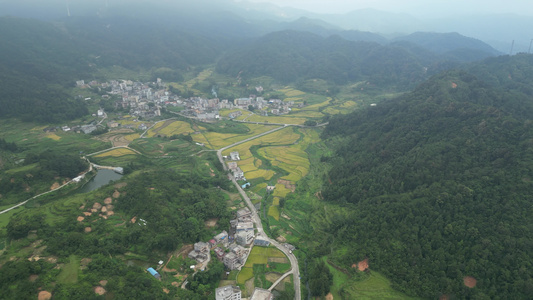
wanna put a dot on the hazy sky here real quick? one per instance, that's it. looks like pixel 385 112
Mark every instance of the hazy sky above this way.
pixel 415 7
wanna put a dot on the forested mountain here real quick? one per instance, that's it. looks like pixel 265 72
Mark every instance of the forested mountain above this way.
pixel 292 55
pixel 438 184
pixel 451 44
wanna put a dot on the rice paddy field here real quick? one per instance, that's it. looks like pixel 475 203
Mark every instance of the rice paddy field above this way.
pixel 284 119
pixel 249 164
pixel 298 96
pixel 117 153
pixel 32 136
pixel 258 256
pixel 220 140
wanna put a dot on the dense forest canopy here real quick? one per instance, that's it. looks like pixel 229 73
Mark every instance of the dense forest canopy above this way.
pixel 438 183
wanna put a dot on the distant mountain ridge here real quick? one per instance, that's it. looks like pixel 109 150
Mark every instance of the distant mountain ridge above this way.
pixel 291 55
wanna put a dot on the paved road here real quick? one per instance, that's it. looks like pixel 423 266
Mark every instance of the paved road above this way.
pixel 257 220
pixel 117 147
pixel 24 202
pixel 219 151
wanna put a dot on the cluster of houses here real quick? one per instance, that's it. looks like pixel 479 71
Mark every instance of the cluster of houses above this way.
pixel 87 128
pixel 231 292
pixel 146 99
pixel 229 248
pixel 238 174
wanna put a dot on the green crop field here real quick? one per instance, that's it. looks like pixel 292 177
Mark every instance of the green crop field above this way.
pixel 69 272
pixel 376 286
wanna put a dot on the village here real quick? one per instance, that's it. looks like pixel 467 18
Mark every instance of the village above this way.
pixel 146 100
pixel 231 247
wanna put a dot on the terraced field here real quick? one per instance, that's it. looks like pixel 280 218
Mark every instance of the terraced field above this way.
pixel 117 153
pixel 220 140
pixel 249 164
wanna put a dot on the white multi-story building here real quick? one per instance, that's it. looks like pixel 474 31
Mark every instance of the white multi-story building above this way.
pixel 228 292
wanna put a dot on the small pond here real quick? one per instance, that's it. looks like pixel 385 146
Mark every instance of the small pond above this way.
pixel 103 177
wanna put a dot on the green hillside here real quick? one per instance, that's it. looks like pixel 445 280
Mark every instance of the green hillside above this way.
pixel 438 185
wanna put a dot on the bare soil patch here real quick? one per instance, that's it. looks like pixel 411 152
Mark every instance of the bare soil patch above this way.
pixel 88 229
pixel 103 282
pixel 97 205
pixel 86 261
pixel 80 219
pixel 116 194
pixel 329 296
pixel 281 260
pixel 287 184
pixel 184 251
pixel 44 295
pixel 362 265
pixel 211 223
pixel 272 277
pixel 52 260
pixel 454 85
pixel 121 185
pixel 470 281
pixel 108 200
pixel 133 220
pixel 99 290
pixel 87 214
pixel 54 186
pixel 33 278
pixel 166 291
pixel 281 239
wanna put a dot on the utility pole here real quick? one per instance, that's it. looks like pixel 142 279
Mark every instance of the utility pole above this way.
pixel 529 51
pixel 512 46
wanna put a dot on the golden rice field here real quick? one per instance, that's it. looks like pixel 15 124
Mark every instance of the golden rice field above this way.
pixel 200 138
pixel 220 140
pixel 245 274
pixel 154 130
pixel 281 191
pixel 273 211
pixel 176 127
pixel 259 173
pixel 249 164
pixel 290 92
pixel 307 114
pixel 116 153
pixel 259 187
pixel 319 105
pixel 132 137
pixel 344 108
pixel 285 119
pixel 291 159
pixel 53 136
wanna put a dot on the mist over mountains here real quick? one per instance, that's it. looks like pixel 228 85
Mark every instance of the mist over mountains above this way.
pixel 499 30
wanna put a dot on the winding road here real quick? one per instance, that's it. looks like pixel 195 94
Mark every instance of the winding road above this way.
pixel 257 220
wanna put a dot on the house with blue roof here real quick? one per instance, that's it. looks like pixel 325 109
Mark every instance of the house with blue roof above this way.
pixel 154 273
